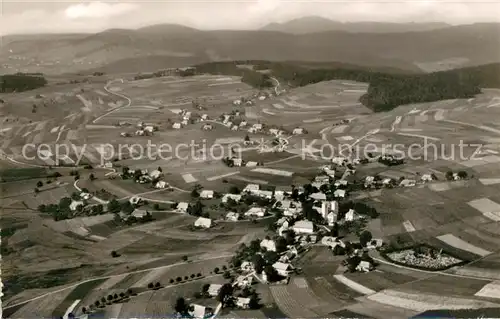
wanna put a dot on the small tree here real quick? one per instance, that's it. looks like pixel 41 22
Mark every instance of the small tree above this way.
pixel 122 295
pixel 184 258
pixel 97 303
pixel 198 274
pixel 172 281
pixel 115 296
pixel 92 177
pixel 178 279
pixel 150 285
pixel 449 175
pixel 114 254
pixel 365 237
pixel 226 274
pixel 216 270
pixel 84 310
pixel 36 190
pixel 39 184
pixel 224 267
pixel 157 285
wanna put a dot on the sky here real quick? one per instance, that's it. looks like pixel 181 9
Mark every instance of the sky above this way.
pixel 65 16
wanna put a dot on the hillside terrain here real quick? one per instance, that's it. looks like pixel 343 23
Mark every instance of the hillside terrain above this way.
pixel 121 50
pixel 314 24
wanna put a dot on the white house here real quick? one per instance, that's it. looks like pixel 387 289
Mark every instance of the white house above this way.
pixel 232 216
pixel 262 98
pixel 184 122
pixel 204 117
pixel 364 266
pixel 257 126
pixel 161 184
pixel 256 211
pixel 251 164
pixel 229 124
pixel 408 183
pixel 426 178
pixel 244 281
pixel 369 180
pixel 182 207
pixel 207 127
pixel 274 131
pixel 237 162
pixel 303 227
pixel 340 182
pixel 268 244
pixel 108 165
pixel 351 215
pixel 386 181
pixel 251 188
pixel 339 160
pixel 243 303
pixel 264 194
pixel 243 123
pixel 235 197
pixel 213 289
pixel 339 193
pixel 318 196
pixel 199 312
pixel 237 102
pixel 247 266
pixel 177 125
pixel 134 200
pixel 331 218
pixel 282 269
pixel 207 194
pixel 298 131
pixel 139 132
pixel 155 174
pixel 203 222
pixel 149 129
pixel 85 196
pixel 74 204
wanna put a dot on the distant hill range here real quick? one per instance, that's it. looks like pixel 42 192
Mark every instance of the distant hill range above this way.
pixel 165 46
pixel 315 24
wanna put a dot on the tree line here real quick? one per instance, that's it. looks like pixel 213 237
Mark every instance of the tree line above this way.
pixel 20 82
pixel 386 91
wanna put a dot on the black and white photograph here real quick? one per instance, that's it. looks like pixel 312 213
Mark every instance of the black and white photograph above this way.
pixel 272 159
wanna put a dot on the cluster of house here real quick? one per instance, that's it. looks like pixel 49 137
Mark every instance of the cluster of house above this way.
pixel 373 181
pixel 143 129
pixel 145 176
pixel 84 197
pixel 186 116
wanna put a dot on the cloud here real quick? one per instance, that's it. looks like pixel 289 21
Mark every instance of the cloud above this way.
pixel 98 10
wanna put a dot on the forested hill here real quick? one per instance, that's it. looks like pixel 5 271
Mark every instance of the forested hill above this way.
pixel 386 90
pixel 21 82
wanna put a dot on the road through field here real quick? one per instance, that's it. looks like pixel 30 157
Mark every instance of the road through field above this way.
pixel 129 101
pixel 111 276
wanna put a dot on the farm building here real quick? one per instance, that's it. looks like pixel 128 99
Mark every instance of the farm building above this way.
pixel 251 188
pixel 108 165
pixel 318 196
pixel 331 242
pixel 207 127
pixel 256 211
pixel 351 215
pixel 268 244
pixel 237 162
pixel 228 124
pixel 262 98
pixel 426 178
pixel 138 213
pixel 74 205
pixel 161 184
pixel 182 207
pixel 139 132
pixel 364 266
pixel 85 196
pixel 155 174
pixel 134 200
pixel 283 269
pixel 264 194
pixel 408 183
pixel 339 160
pixel 243 303
pixel 204 117
pixel 331 219
pixel 235 197
pixel 282 191
pixel 251 164
pixel 234 128
pixel 213 289
pixel 340 182
pixel 298 131
pixel 149 129
pixel 232 216
pixel 303 227
pixel 184 122
pixel 243 123
pixel 237 102
pixel 244 281
pixel 247 266
pixel 203 222
pixel 176 125
pixel 207 194
pixel 339 193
